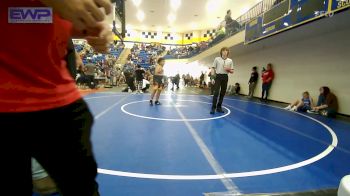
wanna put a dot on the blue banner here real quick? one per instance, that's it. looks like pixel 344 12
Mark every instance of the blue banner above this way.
pixel 289 14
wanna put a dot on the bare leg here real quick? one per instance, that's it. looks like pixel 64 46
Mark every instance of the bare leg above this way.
pixel 300 104
pixel 297 102
pixel 155 89
pixel 158 94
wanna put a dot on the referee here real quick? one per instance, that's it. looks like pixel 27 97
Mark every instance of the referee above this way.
pixel 222 66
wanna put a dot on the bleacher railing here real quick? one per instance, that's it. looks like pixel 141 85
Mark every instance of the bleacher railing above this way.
pixel 257 10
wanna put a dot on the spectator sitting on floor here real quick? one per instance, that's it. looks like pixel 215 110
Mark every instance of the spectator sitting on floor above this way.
pixel 327 104
pixel 237 89
pixel 304 104
pixel 129 77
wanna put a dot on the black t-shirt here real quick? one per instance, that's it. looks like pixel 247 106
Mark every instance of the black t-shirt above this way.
pixel 254 77
pixel 139 74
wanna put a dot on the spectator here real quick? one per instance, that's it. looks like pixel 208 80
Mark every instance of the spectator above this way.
pixel 253 81
pixel 175 82
pixel 305 104
pixel 121 79
pixel 187 80
pixel 327 104
pixel 205 82
pixel 90 75
pixel 267 78
pixel 212 82
pixel 232 26
pixel 220 34
pixel 139 73
pixel 129 78
pixel 201 80
pixel 237 89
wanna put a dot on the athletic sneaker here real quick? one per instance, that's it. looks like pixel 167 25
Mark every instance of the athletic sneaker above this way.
pixel 151 102
pixel 212 111
pixel 157 102
pixel 312 112
pixel 288 107
pixel 294 109
pixel 219 110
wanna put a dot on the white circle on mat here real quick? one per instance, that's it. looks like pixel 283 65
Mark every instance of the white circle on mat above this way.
pixel 309 161
pixel 174 119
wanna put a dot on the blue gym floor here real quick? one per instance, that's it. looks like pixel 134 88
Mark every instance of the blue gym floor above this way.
pixel 179 149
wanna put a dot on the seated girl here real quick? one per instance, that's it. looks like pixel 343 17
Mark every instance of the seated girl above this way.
pixel 303 105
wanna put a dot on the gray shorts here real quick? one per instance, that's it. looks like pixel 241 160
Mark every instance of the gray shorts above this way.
pixel 158 80
pixel 38 171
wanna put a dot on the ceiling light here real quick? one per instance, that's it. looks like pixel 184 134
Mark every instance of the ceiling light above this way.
pixel 212 6
pixel 171 17
pixel 137 3
pixel 194 26
pixel 175 4
pixel 140 15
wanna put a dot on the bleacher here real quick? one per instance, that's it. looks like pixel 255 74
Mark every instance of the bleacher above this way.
pixel 145 59
pixel 116 53
pixel 100 57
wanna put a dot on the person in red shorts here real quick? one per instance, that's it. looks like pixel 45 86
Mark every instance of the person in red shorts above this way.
pixel 42 113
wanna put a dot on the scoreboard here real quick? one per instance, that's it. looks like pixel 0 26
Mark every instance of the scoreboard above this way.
pixel 289 14
pixel 340 4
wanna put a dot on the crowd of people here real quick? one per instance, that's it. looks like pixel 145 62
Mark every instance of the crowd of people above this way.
pixel 181 52
pixel 139 79
pixel 145 54
pixel 140 66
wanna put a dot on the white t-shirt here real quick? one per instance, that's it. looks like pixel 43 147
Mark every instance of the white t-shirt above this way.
pixel 219 65
pixel 144 83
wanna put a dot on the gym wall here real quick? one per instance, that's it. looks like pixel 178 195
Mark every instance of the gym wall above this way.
pixel 300 64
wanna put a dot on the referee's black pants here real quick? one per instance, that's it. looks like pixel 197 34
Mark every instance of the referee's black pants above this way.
pixel 220 87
